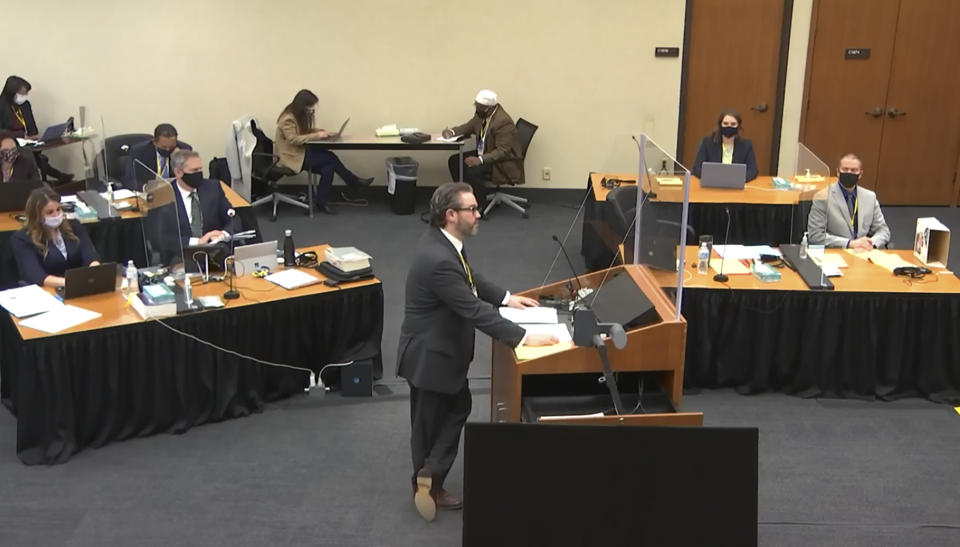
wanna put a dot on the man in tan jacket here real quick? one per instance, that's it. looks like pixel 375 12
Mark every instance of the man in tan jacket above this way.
pixel 498 158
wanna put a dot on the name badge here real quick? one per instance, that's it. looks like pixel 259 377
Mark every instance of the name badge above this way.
pixel 479 147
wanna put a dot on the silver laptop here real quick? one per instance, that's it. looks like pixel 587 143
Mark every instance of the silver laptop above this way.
pixel 250 258
pixel 723 175
pixel 336 136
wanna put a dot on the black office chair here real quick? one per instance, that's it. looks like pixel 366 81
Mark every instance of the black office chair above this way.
pixel 116 155
pixel 525 132
pixel 266 172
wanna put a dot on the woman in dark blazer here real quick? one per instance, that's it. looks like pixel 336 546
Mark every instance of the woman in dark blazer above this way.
pixel 15 166
pixel 725 145
pixel 16 116
pixel 47 246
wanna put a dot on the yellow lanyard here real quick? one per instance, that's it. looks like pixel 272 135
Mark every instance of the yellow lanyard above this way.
pixel 469 275
pixel 856 206
pixel 483 128
pixel 23 122
pixel 160 166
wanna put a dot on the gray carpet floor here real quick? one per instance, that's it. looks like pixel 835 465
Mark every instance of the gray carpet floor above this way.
pixel 324 470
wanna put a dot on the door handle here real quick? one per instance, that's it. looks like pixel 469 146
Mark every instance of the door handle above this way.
pixel 893 112
pixel 876 112
pixel 762 107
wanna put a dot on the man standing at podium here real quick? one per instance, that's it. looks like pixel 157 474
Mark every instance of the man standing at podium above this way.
pixel 445 302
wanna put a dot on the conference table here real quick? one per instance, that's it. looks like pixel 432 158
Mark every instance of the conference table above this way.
pixel 372 142
pixel 118 377
pixel 876 335
pixel 758 215
pixel 117 239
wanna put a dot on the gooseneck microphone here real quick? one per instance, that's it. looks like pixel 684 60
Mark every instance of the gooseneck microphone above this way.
pixel 572 269
pixel 722 277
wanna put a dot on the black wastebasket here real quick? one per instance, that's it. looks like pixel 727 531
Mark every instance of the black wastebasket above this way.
pixel 402 178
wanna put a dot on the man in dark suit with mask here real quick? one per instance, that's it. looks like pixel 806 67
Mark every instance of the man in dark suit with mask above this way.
pixel 846 215
pixel 155 155
pixel 202 207
pixel 445 301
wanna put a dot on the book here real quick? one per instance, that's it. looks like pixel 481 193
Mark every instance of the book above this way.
pixel 146 310
pixel 348 259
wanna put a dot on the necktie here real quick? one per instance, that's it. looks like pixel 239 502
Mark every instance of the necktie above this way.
pixel 196 217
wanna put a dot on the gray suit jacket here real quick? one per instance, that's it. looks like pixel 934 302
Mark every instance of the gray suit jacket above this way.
pixel 829 220
pixel 440 315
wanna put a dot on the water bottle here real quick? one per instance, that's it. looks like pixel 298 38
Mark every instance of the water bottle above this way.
pixel 110 193
pixel 803 246
pixel 289 254
pixel 131 278
pixel 703 259
pixel 187 292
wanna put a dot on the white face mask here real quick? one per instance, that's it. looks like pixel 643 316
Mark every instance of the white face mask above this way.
pixel 54 221
pixel 19 99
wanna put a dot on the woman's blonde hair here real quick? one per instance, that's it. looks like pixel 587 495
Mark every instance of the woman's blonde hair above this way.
pixel 35 228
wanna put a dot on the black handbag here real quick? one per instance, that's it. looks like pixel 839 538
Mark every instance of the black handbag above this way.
pixel 415 138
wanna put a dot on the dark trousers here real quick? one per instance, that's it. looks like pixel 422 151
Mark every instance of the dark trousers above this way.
pixel 47 170
pixel 477 177
pixel 436 421
pixel 325 163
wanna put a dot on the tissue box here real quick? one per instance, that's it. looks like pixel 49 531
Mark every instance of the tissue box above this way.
pixel 931 243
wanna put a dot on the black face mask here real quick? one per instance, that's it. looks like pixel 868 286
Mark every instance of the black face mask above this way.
pixel 849 180
pixel 192 179
pixel 484 112
pixel 164 153
pixel 729 131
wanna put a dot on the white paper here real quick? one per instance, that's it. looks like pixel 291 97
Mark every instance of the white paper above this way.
pixel 27 142
pixel 559 330
pixel 59 319
pixel 28 300
pixel 745 252
pixel 122 193
pixel 292 279
pixel 441 138
pixel 537 314
pixel 763 250
pixel 831 270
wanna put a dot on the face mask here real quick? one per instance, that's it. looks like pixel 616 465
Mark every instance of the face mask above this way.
pixel 9 155
pixel 849 180
pixel 192 179
pixel 164 153
pixel 54 221
pixel 19 99
pixel 729 131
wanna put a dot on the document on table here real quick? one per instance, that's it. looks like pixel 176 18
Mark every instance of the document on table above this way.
pixel 729 267
pixel 887 261
pixel 536 314
pixel 830 260
pixel 59 319
pixel 441 138
pixel 292 279
pixel 745 252
pixel 559 330
pixel 122 193
pixel 28 300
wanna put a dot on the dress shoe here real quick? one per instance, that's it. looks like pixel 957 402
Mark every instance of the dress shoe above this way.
pixel 448 501
pixel 426 505
pixel 364 182
pixel 326 209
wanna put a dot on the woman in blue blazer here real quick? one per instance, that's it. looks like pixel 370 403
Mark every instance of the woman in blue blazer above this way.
pixel 725 145
pixel 48 246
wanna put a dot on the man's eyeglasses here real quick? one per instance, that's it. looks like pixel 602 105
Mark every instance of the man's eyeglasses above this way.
pixel 472 208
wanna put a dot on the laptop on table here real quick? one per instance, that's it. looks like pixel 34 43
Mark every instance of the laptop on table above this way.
pixel 336 136
pixel 90 280
pixel 13 195
pixel 57 132
pixel 723 175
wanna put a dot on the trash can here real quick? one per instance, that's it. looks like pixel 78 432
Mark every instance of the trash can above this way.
pixel 402 184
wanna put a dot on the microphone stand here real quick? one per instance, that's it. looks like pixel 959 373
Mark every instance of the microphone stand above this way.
pixel 721 277
pixel 587 331
pixel 580 293
pixel 232 293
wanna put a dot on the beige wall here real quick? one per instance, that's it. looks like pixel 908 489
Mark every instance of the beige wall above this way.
pixel 583 71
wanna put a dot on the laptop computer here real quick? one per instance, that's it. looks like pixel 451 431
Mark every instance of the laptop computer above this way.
pixel 723 175
pixel 56 132
pixel 13 195
pixel 250 258
pixel 336 136
pixel 90 280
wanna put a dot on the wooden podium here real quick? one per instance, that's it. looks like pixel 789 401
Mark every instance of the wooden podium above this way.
pixel 657 348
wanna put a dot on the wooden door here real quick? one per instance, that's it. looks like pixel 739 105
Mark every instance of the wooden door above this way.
pixel 921 125
pixel 845 98
pixel 733 60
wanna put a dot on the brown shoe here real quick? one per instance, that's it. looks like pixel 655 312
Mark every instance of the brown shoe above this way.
pixel 426 505
pixel 448 501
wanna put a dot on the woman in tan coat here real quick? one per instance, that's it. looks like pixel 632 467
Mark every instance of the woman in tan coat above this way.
pixel 295 128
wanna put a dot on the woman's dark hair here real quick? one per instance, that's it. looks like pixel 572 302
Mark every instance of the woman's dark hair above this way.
pixel 298 107
pixel 717 137
pixel 13 85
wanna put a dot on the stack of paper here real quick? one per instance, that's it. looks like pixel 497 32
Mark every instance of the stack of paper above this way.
pixel 292 279
pixel 536 314
pixel 59 319
pixel 27 301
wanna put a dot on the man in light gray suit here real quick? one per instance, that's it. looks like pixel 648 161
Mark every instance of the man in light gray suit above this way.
pixel 845 215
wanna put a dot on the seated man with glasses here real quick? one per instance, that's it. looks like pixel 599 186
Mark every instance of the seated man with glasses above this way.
pixel 846 215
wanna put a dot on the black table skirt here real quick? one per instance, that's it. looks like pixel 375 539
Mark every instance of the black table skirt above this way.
pixel 116 240
pixel 750 224
pixel 88 389
pixel 824 344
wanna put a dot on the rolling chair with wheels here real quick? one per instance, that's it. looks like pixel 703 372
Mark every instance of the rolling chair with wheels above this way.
pixel 525 131
pixel 266 172
pixel 116 155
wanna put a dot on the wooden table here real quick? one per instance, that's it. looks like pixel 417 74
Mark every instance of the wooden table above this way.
pixel 875 336
pixel 758 214
pixel 117 376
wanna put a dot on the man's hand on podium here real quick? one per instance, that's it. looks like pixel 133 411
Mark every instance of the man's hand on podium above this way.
pixel 539 339
pixel 521 302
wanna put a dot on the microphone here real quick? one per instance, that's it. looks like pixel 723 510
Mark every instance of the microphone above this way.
pixel 721 277
pixel 572 269
pixel 152 172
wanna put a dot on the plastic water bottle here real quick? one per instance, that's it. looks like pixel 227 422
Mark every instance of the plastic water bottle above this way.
pixel 187 292
pixel 110 193
pixel 703 259
pixel 803 246
pixel 133 286
pixel 289 252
